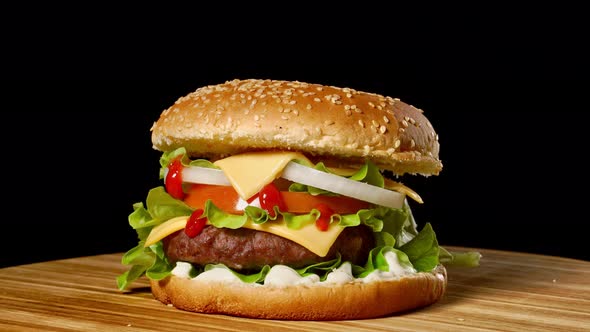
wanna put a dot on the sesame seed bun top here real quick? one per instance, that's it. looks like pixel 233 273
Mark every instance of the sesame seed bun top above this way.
pixel 340 126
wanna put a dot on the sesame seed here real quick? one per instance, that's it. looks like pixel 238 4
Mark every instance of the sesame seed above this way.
pixel 382 129
pixel 349 95
pixel 296 112
pixel 405 123
pixel 436 137
pixel 371 104
pixel 246 111
pixel 386 119
pixel 358 110
pixel 316 99
pixel 319 88
pixel 412 143
pixel 254 101
pixel 412 121
pixel 347 107
pixel 379 108
pixel 348 112
pixel 338 102
pixel 284 117
pixel 397 143
pixel 287 110
pixel 353 107
pixel 218 112
pixel 308 106
pixel 256 117
pixel 375 123
pixel 361 123
pixel 328 122
pixel 281 109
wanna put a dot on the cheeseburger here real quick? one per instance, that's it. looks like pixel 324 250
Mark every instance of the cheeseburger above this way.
pixel 279 201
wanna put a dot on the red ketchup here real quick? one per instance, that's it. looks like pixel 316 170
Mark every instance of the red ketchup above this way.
pixel 323 222
pixel 174 179
pixel 195 224
pixel 270 197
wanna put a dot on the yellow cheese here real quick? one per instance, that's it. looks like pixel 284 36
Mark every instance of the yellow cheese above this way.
pixel 400 188
pixel 307 236
pixel 249 172
pixel 164 229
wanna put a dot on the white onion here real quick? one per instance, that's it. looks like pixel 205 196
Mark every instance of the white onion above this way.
pixel 310 177
pixel 204 175
pixel 343 186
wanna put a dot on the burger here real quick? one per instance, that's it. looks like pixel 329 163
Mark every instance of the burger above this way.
pixel 279 200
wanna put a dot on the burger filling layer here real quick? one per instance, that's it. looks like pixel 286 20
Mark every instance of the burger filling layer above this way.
pixel 301 226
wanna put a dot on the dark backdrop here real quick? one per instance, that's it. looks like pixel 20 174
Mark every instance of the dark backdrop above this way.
pixel 77 155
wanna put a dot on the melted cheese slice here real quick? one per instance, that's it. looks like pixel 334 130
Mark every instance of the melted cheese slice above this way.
pixel 249 172
pixel 308 236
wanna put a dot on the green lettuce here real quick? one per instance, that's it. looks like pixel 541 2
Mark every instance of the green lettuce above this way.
pixel 377 261
pixel 455 258
pixel 423 250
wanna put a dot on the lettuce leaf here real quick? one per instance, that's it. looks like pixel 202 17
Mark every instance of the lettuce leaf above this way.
pixel 377 261
pixel 150 261
pixel 423 250
pixel 455 258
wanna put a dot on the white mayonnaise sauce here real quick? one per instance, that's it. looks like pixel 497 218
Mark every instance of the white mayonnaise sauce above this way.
pixel 281 275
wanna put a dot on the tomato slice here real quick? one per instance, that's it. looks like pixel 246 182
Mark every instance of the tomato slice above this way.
pixel 228 200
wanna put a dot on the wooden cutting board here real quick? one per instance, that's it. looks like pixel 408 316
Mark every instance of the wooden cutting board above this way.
pixel 508 292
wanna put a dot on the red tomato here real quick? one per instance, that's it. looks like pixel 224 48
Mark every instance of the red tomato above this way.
pixel 195 224
pixel 323 222
pixel 270 197
pixel 227 199
pixel 174 179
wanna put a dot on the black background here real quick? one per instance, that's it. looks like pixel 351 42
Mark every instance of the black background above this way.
pixel 507 96
pixel 79 155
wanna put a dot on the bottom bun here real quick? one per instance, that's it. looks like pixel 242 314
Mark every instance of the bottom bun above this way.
pixel 319 302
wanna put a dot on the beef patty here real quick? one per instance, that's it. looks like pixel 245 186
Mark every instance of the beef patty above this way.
pixel 246 249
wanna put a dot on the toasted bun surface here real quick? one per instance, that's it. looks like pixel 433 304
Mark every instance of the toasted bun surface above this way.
pixel 341 126
pixel 322 302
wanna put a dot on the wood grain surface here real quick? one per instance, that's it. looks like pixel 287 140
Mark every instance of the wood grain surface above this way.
pixel 508 292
